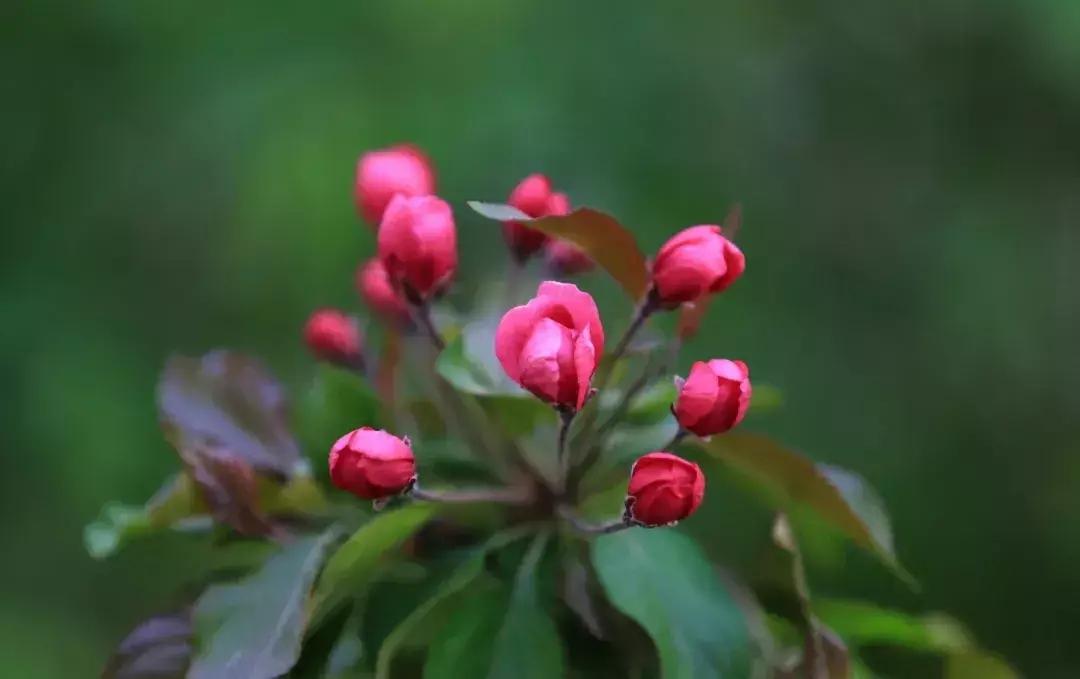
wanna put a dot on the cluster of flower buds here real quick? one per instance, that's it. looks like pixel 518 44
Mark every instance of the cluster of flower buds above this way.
pixel 551 346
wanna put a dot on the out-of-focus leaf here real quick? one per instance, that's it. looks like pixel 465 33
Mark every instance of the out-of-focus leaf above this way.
pixel 175 501
pixel 337 402
pixel 158 648
pixel 528 644
pixel 231 402
pixel 463 649
pixel 864 623
pixel 425 621
pixel 229 486
pixel 626 444
pixel 824 656
pixel 353 565
pixel 978 665
pixel 601 236
pixel 662 579
pixel 653 404
pixel 766 398
pixel 179 505
pixel 517 411
pixel 841 498
pixel 254 627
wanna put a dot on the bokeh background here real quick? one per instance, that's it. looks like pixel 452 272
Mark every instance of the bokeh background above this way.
pixel 177 176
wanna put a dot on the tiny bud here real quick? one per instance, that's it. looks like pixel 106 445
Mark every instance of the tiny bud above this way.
pixel 532 197
pixel 695 262
pixel 663 489
pixel 382 174
pixel 552 345
pixel 714 398
pixel 373 284
pixel 418 245
pixel 333 337
pixel 372 464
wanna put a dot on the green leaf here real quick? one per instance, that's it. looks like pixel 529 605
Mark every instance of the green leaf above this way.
pixel 840 497
pixel 464 649
pixel 862 623
pixel 978 665
pixel 424 622
pixel 254 627
pixel 601 236
pixel 528 644
pixel 117 524
pixel 498 633
pixel 662 579
pixel 229 401
pixel 337 402
pixel 158 648
pixel 356 562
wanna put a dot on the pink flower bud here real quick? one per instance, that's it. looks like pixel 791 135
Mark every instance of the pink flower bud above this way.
pixel 372 464
pixel 531 196
pixel 333 337
pixel 382 174
pixel 418 245
pixel 551 345
pixel 714 398
pixel 693 263
pixel 373 284
pixel 564 257
pixel 663 488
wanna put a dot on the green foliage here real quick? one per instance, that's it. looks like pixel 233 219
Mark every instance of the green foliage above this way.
pixel 254 628
pixel 600 235
pixel 356 562
pixel 664 581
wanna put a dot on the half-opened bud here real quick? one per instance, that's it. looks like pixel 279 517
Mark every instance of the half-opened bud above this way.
pixel 382 174
pixel 663 489
pixel 531 197
pixel 418 245
pixel 695 262
pixel 372 464
pixel 333 337
pixel 714 398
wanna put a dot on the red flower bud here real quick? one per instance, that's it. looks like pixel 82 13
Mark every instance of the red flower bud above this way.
pixel 663 488
pixel 333 337
pixel 564 257
pixel 531 196
pixel 551 345
pixel 373 284
pixel 372 464
pixel 382 174
pixel 695 262
pixel 714 398
pixel 418 245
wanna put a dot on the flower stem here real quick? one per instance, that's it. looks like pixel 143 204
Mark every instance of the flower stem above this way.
pixel 679 436
pixel 421 313
pixel 567 417
pixel 587 528
pixel 505 496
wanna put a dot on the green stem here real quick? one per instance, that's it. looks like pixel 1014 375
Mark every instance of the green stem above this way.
pixel 506 496
pixel 586 528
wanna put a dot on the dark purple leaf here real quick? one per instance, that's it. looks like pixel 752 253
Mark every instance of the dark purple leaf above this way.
pixel 158 648
pixel 230 402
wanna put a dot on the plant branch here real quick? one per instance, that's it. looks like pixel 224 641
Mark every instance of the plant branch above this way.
pixel 679 436
pixel 421 313
pixel 586 528
pixel 505 496
pixel 566 415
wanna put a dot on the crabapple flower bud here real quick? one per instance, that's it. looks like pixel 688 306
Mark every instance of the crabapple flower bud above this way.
pixel 714 398
pixel 372 464
pixel 382 174
pixel 552 344
pixel 531 196
pixel 333 337
pixel 564 257
pixel 418 245
pixel 693 263
pixel 373 284
pixel 663 488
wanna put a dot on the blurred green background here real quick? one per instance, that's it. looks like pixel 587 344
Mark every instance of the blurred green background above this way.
pixel 177 176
